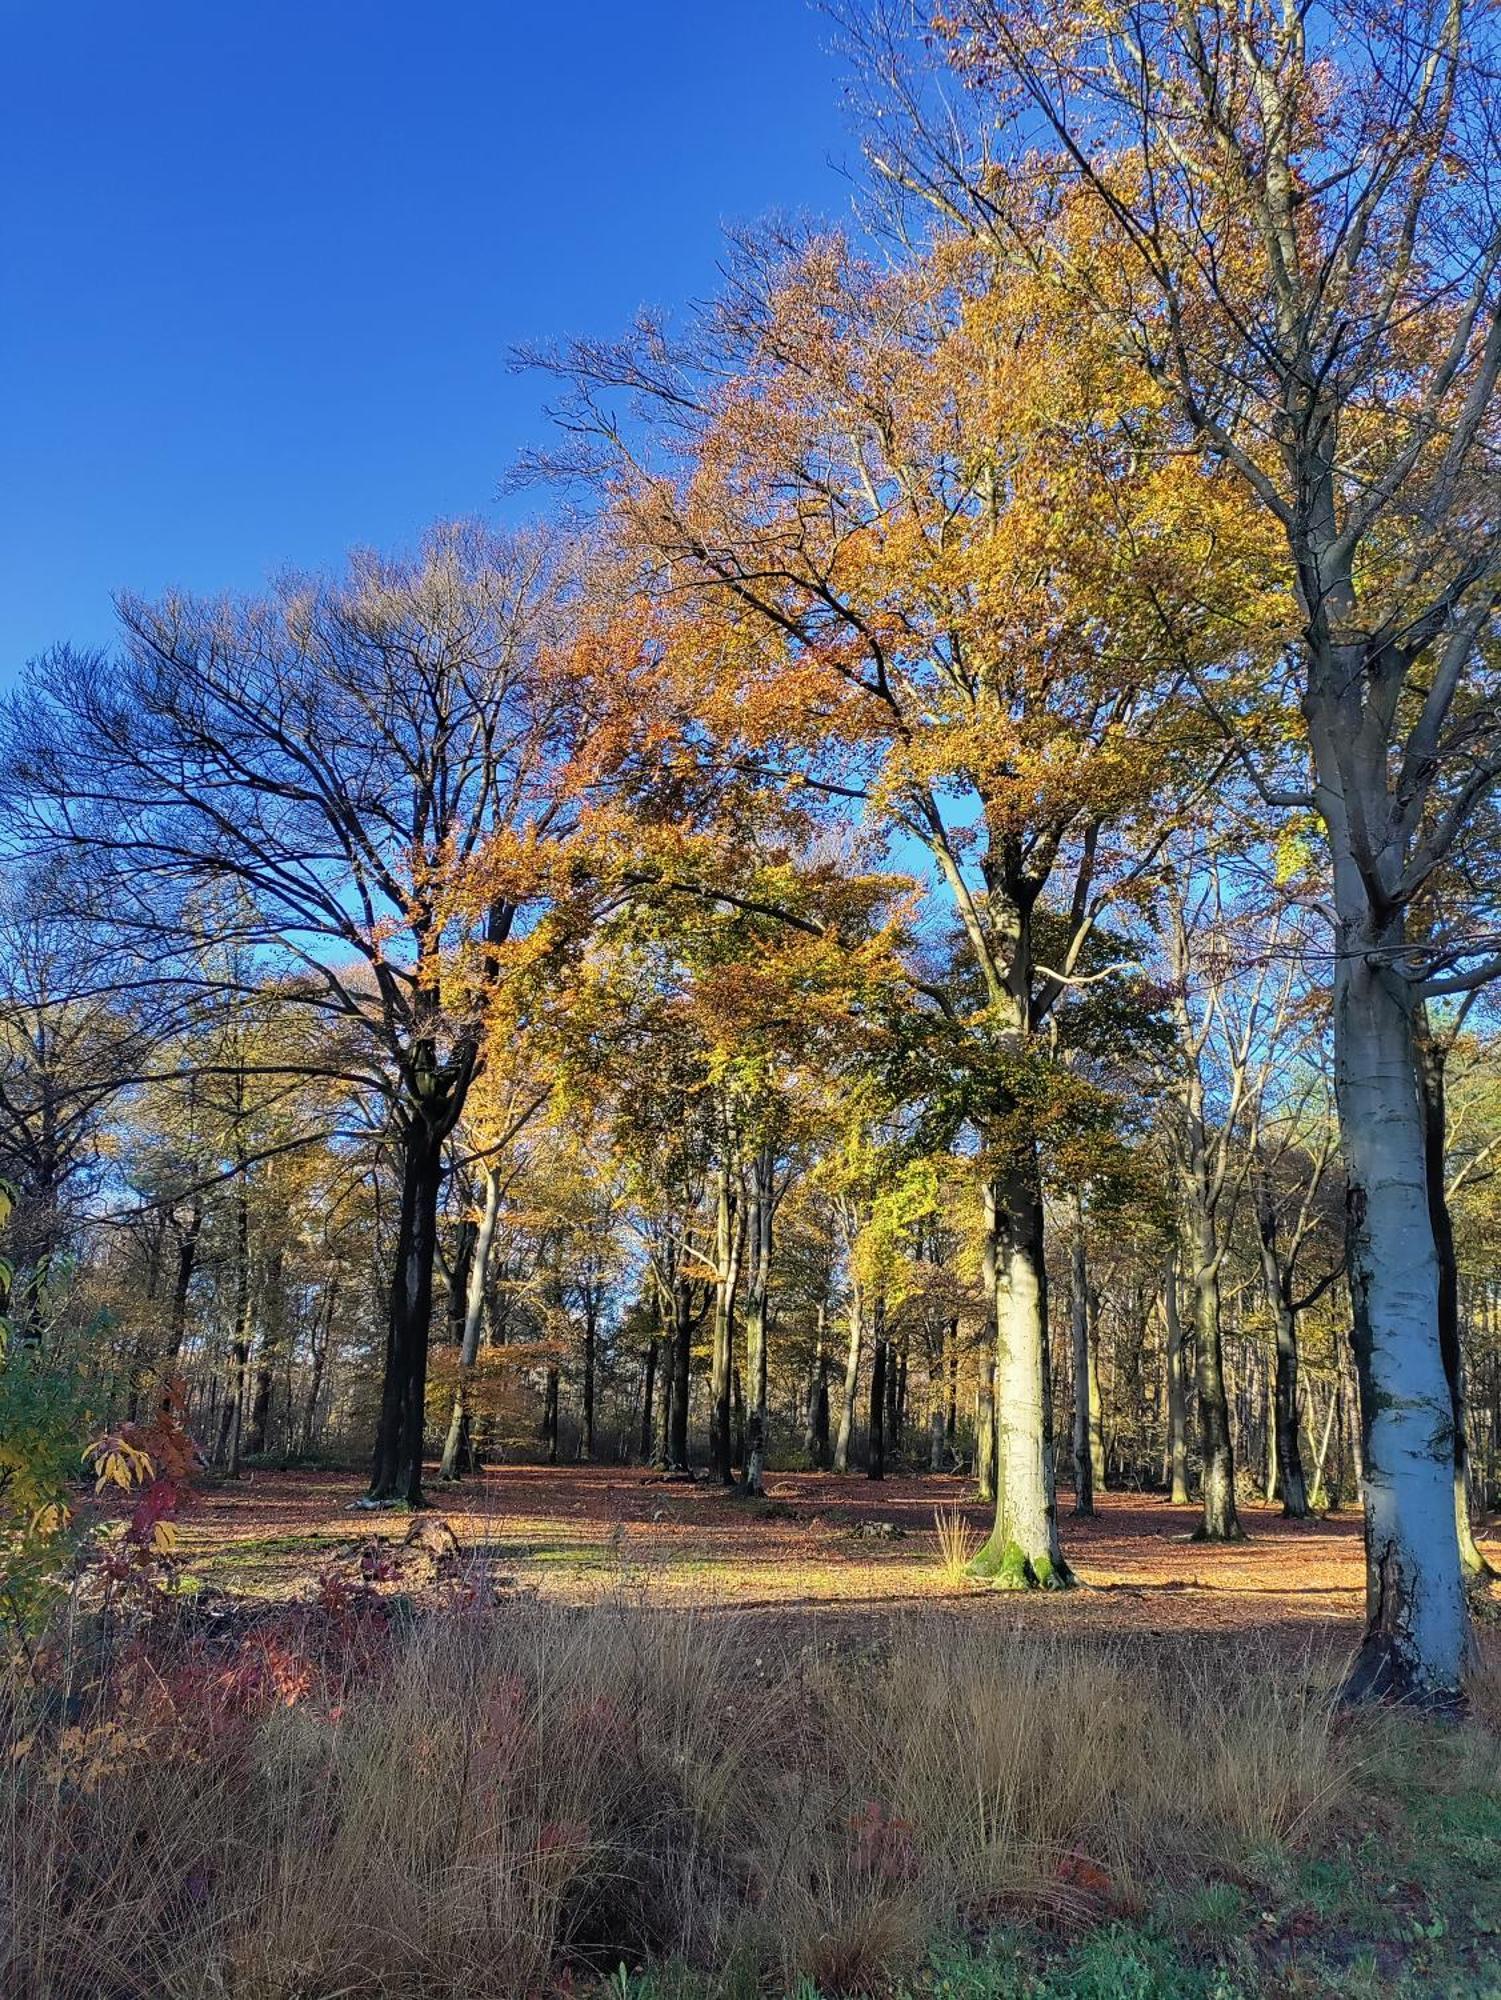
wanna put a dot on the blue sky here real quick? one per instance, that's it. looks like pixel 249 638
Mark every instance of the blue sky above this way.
pixel 261 260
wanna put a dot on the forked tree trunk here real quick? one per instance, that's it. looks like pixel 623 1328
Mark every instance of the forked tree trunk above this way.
pixel 1023 1551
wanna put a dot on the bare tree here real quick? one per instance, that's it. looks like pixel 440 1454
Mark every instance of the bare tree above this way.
pixel 367 772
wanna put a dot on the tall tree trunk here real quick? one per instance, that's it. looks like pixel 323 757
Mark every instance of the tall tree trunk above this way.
pixel 951 1418
pixel 762 1201
pixel 1279 1289
pixel 875 1451
pixel 232 1418
pixel 272 1349
pixel 396 1472
pixel 459 1456
pixel 322 1334
pixel 682 1366
pixel 1417 1629
pixel 1023 1551
pixel 1083 1373
pixel 1220 1522
pixel 816 1429
pixel 550 1402
pixel 182 1283
pixel 1098 1470
pixel 648 1398
pixel 1177 1387
pixel 851 1380
pixel 591 1342
pixel 727 1242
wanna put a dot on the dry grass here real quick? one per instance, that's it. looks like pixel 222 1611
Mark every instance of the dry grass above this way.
pixel 492 1798
pixel 958 1542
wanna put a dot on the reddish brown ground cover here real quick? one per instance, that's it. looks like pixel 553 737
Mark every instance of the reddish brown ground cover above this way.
pixel 820 1544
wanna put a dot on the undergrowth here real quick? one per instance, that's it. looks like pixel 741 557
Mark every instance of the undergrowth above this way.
pixel 323 1801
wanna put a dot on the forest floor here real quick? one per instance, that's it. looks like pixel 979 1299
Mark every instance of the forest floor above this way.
pixel 837 1547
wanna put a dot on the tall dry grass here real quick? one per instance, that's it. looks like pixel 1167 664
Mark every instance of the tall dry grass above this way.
pixel 492 1798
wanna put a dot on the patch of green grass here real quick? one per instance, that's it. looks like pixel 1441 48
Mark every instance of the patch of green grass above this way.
pixel 254 1552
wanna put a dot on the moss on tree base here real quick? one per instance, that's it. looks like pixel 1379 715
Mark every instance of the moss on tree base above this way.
pixel 1007 1566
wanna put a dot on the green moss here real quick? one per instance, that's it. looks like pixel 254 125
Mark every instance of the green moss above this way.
pixel 1006 1566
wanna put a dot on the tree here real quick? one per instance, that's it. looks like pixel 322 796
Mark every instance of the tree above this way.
pixel 925 584
pixel 374 767
pixel 1306 258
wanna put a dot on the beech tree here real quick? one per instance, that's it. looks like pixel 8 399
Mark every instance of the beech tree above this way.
pixel 933 584
pixel 1305 233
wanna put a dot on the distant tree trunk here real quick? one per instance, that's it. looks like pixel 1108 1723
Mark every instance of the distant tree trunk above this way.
pixel 232 1417
pixel 273 1339
pixel 187 1261
pixel 985 1431
pixel 1177 1397
pixel 1220 1522
pixel 648 1398
pixel 758 1284
pixel 875 1459
pixel 891 1434
pixel 851 1381
pixel 591 1342
pixel 459 1455
pixel 951 1420
pixel 550 1414
pixel 1083 1373
pixel 322 1333
pixel 1279 1287
pixel 816 1429
pixel 682 1364
pixel 728 1236
pixel 1098 1471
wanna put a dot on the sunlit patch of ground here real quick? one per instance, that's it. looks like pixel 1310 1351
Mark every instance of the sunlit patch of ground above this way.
pixel 818 1542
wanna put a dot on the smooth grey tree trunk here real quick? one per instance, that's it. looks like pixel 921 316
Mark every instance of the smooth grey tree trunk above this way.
pixel 1023 1551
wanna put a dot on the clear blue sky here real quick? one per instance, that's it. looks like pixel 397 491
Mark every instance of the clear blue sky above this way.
pixel 261 260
